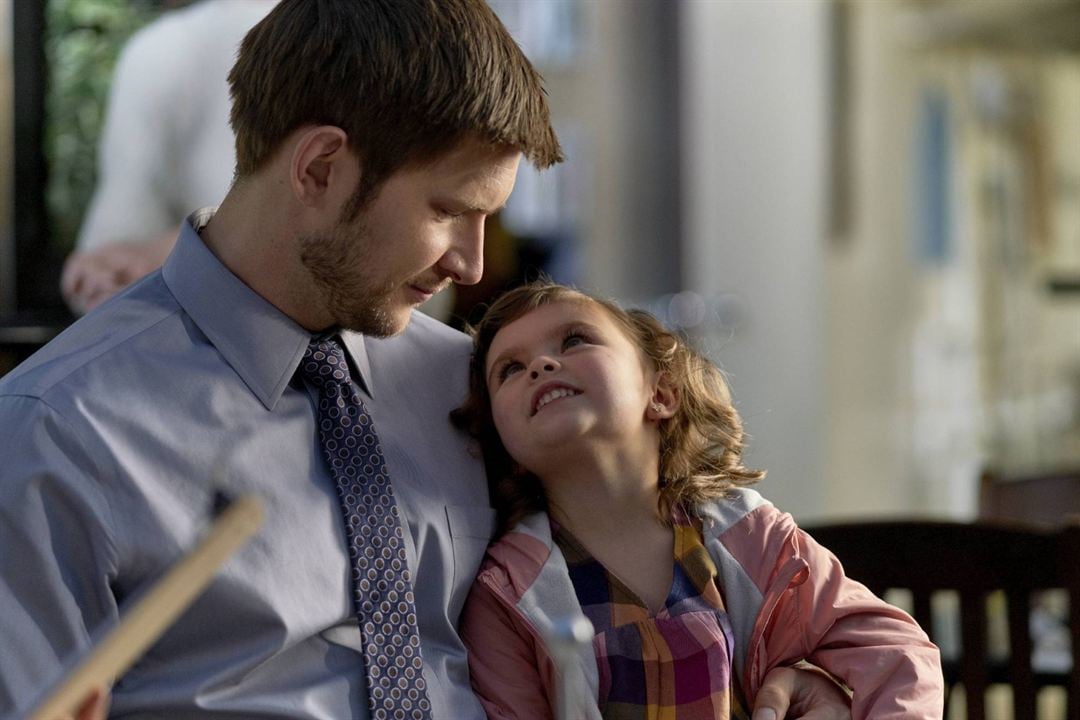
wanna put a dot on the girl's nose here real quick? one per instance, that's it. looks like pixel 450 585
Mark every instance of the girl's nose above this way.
pixel 542 364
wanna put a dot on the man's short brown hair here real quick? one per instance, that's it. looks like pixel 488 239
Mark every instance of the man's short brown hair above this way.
pixel 405 79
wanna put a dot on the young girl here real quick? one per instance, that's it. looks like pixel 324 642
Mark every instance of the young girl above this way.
pixel 615 454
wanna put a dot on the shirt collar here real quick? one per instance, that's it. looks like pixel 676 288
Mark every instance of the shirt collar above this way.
pixel 262 344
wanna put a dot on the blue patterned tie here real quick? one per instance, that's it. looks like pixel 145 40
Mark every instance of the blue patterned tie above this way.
pixel 382 588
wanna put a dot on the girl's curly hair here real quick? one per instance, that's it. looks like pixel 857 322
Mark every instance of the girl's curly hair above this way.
pixel 700 446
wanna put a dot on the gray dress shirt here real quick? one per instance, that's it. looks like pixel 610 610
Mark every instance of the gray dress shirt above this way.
pixel 114 439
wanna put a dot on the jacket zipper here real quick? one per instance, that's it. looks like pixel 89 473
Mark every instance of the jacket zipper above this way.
pixel 793 574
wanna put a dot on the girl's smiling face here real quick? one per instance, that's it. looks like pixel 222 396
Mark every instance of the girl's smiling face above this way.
pixel 563 373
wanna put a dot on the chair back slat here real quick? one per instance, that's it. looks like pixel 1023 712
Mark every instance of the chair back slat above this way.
pixel 973 659
pixel 1070 561
pixel 1021 673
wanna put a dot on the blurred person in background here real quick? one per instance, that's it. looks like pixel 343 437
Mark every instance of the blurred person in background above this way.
pixel 166 147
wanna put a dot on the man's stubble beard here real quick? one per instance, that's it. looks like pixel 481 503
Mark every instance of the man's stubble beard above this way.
pixel 336 262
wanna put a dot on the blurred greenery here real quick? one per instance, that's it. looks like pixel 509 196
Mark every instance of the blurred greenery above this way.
pixel 83 39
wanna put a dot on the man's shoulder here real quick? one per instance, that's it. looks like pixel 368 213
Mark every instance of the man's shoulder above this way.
pixel 428 363
pixel 438 332
pixel 425 338
pixel 102 342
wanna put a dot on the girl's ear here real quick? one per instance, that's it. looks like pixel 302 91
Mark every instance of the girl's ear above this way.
pixel 665 399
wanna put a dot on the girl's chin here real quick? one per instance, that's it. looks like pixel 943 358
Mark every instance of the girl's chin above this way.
pixel 555 456
pixel 556 436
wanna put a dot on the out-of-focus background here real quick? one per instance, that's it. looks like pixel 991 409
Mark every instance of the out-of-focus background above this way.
pixel 867 211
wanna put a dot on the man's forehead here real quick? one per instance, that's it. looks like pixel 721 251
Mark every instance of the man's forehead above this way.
pixel 473 152
pixel 464 171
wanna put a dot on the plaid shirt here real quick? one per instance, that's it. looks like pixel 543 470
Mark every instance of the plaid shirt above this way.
pixel 674 665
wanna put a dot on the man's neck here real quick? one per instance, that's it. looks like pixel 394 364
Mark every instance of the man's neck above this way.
pixel 257 241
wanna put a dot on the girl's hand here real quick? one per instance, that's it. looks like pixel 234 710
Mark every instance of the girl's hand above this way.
pixel 799 692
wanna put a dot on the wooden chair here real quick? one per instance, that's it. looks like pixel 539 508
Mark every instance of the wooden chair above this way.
pixel 974 560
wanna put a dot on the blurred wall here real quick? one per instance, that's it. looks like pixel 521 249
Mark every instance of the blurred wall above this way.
pixel 949 350
pixel 616 108
pixel 871 297
pixel 754 94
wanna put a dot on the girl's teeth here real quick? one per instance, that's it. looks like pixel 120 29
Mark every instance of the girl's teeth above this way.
pixel 553 395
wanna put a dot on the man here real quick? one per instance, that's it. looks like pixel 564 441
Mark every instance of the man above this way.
pixel 274 354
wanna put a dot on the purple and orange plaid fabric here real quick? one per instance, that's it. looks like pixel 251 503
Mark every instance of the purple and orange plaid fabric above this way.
pixel 671 665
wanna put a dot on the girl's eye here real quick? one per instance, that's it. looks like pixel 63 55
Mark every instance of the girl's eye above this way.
pixel 573 339
pixel 509 368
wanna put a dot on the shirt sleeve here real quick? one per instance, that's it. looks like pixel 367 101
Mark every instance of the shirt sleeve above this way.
pixel 56 553
pixel 503 663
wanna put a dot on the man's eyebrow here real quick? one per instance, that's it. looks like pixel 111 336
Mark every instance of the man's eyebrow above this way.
pixel 467 207
pixel 483 210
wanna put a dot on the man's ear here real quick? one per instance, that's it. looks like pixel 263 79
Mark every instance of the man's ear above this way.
pixel 665 398
pixel 321 160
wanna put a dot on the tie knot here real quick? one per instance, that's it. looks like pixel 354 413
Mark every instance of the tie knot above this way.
pixel 324 361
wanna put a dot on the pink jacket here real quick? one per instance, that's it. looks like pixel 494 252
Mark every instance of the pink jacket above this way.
pixel 786 596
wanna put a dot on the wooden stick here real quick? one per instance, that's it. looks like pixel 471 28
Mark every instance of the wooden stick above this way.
pixel 156 611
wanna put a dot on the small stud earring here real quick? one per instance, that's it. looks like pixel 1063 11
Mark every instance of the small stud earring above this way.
pixel 657 407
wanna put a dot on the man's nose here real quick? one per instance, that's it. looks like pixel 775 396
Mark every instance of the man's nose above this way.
pixel 463 262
